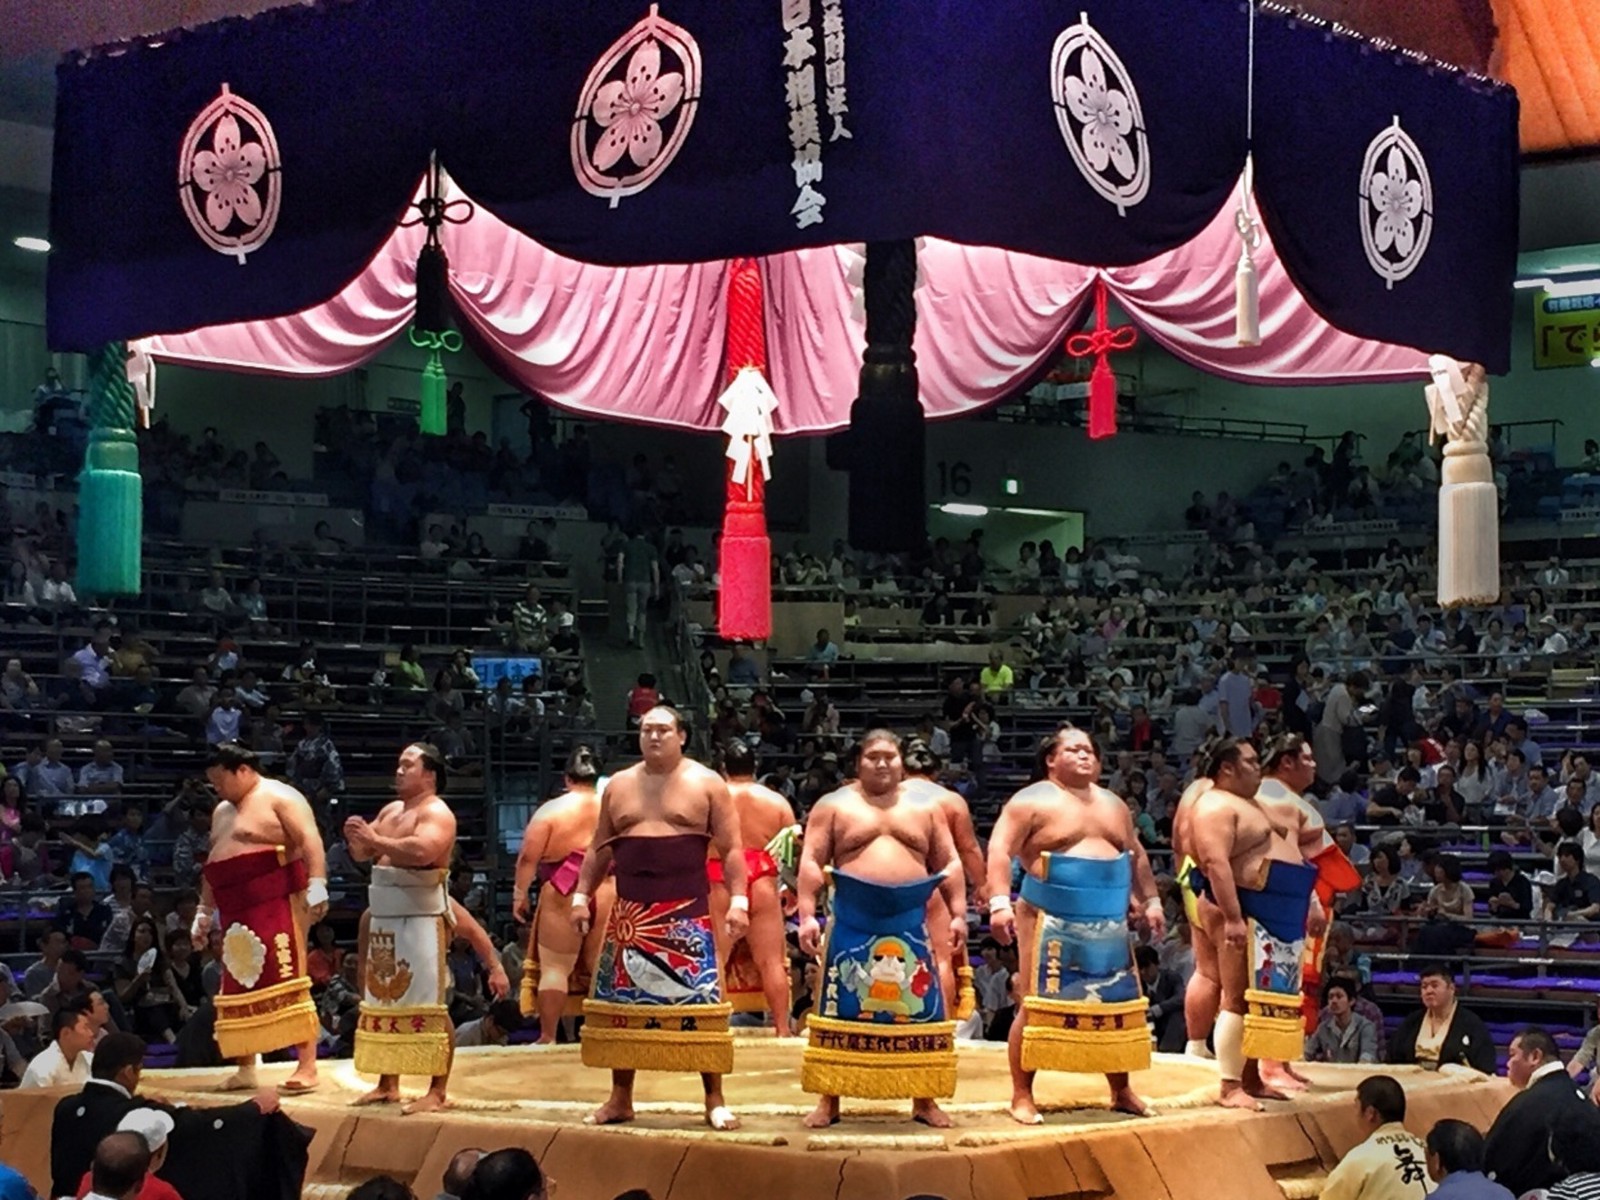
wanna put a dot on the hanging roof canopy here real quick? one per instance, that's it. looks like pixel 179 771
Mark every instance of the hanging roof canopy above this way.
pixel 1100 134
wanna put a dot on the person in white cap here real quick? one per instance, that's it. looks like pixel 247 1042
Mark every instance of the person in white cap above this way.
pixel 152 1125
pixel 67 1059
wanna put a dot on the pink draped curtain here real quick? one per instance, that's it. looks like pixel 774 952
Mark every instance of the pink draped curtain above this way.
pixel 646 343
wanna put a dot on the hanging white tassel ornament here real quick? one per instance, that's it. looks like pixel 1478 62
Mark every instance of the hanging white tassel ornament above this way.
pixel 1247 297
pixel 1469 502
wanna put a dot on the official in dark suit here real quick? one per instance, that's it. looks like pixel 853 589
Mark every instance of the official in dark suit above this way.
pixel 1442 1032
pixel 1517 1152
pixel 246 1151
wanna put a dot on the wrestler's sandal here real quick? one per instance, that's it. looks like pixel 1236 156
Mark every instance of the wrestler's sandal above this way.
pixel 721 1119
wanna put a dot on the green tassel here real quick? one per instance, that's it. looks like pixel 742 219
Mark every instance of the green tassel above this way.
pixel 432 420
pixel 110 491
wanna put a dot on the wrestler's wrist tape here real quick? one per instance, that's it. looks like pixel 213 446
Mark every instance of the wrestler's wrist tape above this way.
pixel 580 900
pixel 203 919
pixel 999 904
pixel 742 903
pixel 316 892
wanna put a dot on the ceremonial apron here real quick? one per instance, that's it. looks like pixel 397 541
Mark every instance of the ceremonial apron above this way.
pixel 655 1004
pixel 265 1001
pixel 556 882
pixel 1275 913
pixel 404 1024
pixel 741 980
pixel 879 1031
pixel 1082 1009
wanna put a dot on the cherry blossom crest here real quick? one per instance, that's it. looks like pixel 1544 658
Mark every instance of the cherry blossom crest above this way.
pixel 1097 107
pixel 635 109
pixel 1396 204
pixel 230 179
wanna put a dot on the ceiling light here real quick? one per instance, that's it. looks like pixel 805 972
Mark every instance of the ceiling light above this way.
pixel 964 510
pixel 36 244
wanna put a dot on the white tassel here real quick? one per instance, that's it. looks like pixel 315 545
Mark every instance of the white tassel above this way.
pixel 1469 502
pixel 1246 293
pixel 1247 301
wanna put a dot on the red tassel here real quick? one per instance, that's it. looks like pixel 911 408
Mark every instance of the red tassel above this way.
pixel 744 589
pixel 1098 343
pixel 1102 400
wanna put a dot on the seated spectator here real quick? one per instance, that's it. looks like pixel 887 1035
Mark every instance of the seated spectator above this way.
pixel 65 1062
pixel 494 1028
pixel 456 743
pixel 1344 836
pixel 71 984
pixel 1576 894
pixel 1163 991
pixel 408 672
pixel 217 602
pixel 325 959
pixel 1442 1032
pixel 127 844
pixel 1391 1164
pixel 1517 1150
pixel 83 918
pixel 1577 1151
pixel 249 692
pixel 190 850
pixel 822 653
pixel 253 606
pixel 187 973
pixel 1510 892
pixel 145 986
pixel 102 775
pixel 381 1187
pixel 508 1175
pixel 50 777
pixel 57 594
pixel 52 944
pixel 120 1166
pixel 226 718
pixel 743 670
pixel 196 698
pixel 315 767
pixel 458 1173
pixel 642 697
pixel 1343 1035
pixel 1455 1163
pixel 996 679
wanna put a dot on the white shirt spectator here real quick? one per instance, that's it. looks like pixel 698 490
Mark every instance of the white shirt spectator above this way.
pixel 49 1068
pixel 223 725
pixel 57 592
pixel 96 667
pixel 50 779
pixel 95 777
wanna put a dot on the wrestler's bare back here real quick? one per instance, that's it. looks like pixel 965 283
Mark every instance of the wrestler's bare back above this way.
pixel 270 814
pixel 763 813
pixel 562 825
pixel 1258 835
pixel 643 803
pixel 1087 822
pixel 429 816
pixel 1183 818
pixel 888 840
pixel 1300 816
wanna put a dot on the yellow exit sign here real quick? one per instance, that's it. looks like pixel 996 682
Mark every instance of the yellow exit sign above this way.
pixel 1566 329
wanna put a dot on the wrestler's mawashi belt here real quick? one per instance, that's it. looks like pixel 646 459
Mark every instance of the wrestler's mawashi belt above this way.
pixel 1083 1010
pixel 404 1026
pixel 656 1002
pixel 555 882
pixel 741 981
pixel 1274 1027
pixel 265 1000
pixel 880 1031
